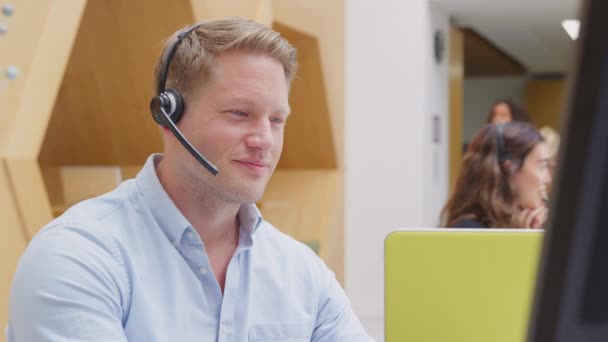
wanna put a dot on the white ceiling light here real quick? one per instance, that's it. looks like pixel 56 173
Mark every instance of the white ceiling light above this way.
pixel 572 27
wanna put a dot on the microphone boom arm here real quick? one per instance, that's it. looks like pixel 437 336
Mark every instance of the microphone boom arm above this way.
pixel 193 151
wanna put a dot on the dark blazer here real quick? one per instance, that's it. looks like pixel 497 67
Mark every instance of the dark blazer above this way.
pixel 468 223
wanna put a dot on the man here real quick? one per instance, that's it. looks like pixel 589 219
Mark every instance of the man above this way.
pixel 181 254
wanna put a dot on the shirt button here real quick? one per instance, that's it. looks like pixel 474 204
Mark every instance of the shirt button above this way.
pixel 190 235
pixel 203 272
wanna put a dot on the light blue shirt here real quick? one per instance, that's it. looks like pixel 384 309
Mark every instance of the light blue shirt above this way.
pixel 128 266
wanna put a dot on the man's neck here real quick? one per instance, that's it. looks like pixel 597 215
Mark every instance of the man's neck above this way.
pixel 216 221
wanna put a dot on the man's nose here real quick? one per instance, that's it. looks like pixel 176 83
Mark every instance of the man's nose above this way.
pixel 261 135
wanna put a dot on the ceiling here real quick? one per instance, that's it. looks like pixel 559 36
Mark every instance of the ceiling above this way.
pixel 528 30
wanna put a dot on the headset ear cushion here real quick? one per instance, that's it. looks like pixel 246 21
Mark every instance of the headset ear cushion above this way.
pixel 177 105
pixel 155 105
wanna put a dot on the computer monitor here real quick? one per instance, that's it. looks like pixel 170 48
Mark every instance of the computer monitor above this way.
pixel 571 297
pixel 459 285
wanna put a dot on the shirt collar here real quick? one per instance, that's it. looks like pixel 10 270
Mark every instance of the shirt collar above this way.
pixel 168 216
pixel 250 218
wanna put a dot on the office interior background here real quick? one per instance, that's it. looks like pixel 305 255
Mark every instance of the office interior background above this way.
pixel 387 94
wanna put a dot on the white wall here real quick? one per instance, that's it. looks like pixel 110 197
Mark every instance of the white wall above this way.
pixel 394 176
pixel 479 95
pixel 437 159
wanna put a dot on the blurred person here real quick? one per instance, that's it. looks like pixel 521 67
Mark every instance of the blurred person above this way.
pixel 178 253
pixel 502 111
pixel 503 179
pixel 506 110
pixel 552 139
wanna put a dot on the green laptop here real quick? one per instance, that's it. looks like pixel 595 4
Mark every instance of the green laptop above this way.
pixel 459 285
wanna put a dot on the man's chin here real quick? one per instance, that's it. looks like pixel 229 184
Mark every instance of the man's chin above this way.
pixel 247 196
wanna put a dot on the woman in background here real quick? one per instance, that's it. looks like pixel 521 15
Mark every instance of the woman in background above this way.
pixel 507 110
pixel 502 181
pixel 552 139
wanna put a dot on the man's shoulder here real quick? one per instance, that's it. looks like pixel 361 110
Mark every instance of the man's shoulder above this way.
pixel 100 207
pixel 91 234
pixel 273 244
pixel 100 221
pixel 89 213
pixel 76 258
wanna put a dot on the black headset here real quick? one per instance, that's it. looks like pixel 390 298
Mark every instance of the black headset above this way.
pixel 503 154
pixel 168 106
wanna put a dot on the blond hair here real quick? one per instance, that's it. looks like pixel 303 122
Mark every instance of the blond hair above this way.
pixel 195 55
pixel 552 139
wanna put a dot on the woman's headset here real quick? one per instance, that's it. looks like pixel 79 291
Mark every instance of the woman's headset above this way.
pixel 503 154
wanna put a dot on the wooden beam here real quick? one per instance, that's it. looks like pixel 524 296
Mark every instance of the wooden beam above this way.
pixel 29 105
pixel 13 239
pixel 30 197
pixel 456 101
pixel 483 58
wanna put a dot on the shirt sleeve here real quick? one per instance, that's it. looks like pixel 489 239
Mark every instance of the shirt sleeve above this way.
pixel 67 287
pixel 336 320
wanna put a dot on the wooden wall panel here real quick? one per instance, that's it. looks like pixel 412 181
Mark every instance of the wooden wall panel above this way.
pixel 12 243
pixel 103 101
pixel 264 13
pixel 456 102
pixel 213 9
pixel 53 183
pixel 24 25
pixel 48 27
pixel 323 20
pixel 73 184
pixel 129 171
pixel 84 182
pixel 309 142
pixel 545 100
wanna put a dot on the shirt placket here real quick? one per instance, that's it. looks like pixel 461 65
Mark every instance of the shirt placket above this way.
pixel 233 274
pixel 194 253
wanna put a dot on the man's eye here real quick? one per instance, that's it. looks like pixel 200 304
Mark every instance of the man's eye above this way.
pixel 277 120
pixel 239 113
